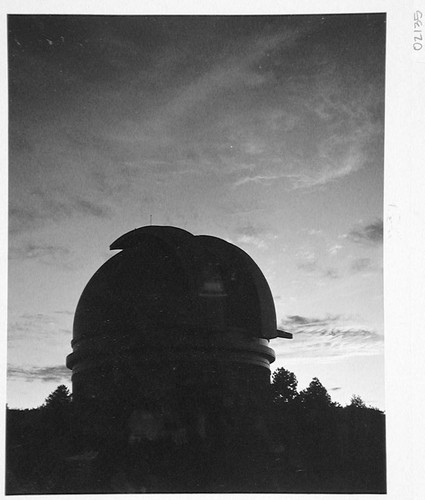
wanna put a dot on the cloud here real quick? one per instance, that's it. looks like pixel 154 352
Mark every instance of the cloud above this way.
pixel 334 249
pixel 28 327
pixel 43 206
pixel 46 374
pixel 260 179
pixel 371 233
pixel 272 147
pixel 36 340
pixel 252 240
pixel 47 254
pixel 331 152
pixel 242 106
pixel 327 172
pixel 254 235
pixel 88 207
pixel 21 218
pixel 327 338
pixel 295 320
pixel 250 230
pixel 66 312
pixel 238 70
pixel 307 261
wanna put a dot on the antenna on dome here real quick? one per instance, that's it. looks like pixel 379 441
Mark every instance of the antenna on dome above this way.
pixel 150 220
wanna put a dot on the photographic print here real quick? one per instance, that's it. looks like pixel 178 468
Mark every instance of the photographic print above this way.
pixel 195 277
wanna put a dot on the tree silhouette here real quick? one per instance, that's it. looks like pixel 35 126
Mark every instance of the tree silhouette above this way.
pixel 57 411
pixel 315 397
pixel 357 402
pixel 284 386
pixel 60 398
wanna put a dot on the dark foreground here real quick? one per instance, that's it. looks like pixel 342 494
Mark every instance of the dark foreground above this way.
pixel 277 479
pixel 338 451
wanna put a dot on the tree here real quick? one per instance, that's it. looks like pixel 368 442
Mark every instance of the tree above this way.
pixel 56 414
pixel 60 398
pixel 315 396
pixel 357 402
pixel 284 386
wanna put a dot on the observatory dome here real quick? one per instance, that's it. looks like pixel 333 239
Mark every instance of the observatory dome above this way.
pixel 170 302
pixel 165 277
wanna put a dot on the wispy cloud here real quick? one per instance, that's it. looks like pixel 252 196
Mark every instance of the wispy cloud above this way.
pixel 369 234
pixel 38 340
pixel 250 230
pixel 22 218
pixel 254 235
pixel 339 145
pixel 334 249
pixel 308 262
pixel 36 326
pixel 252 240
pixel 87 207
pixel 238 69
pixel 293 144
pixel 326 173
pixel 241 106
pixel 45 206
pixel 260 179
pixel 329 337
pixel 305 321
pixel 47 254
pixel 46 374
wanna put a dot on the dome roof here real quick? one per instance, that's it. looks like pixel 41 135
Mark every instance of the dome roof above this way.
pixel 166 279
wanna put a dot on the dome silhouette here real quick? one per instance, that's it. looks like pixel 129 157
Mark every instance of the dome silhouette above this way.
pixel 171 302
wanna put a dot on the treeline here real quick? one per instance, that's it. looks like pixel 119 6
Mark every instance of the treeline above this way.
pixel 328 448
pixel 37 440
pixel 311 445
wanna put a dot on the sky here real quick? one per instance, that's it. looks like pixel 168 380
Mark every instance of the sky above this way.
pixel 266 131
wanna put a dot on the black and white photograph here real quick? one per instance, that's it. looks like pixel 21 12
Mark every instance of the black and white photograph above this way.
pixel 196 214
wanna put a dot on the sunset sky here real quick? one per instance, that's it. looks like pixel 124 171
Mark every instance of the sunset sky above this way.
pixel 265 131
